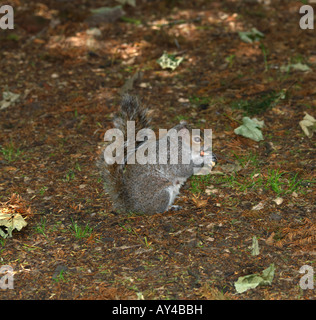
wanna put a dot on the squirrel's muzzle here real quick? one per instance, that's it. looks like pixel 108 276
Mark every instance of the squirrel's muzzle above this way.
pixel 211 156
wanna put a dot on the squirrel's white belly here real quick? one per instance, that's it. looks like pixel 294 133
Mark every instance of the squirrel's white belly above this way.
pixel 174 190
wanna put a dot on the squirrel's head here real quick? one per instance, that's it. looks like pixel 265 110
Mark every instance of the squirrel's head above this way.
pixel 197 144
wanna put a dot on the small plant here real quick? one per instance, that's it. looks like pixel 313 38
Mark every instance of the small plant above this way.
pixel 260 104
pixel 265 56
pixel 60 276
pixel 180 118
pixel 226 180
pixel 274 181
pixel 10 152
pixel 250 184
pixel 199 183
pixel 279 182
pixel 40 228
pixel 294 183
pixel 70 175
pixel 13 37
pixel 249 159
pixel 282 184
pixel 147 244
pixel 128 229
pixel 80 232
pixel 230 60
pixel 77 166
pixel 200 100
pixel 2 242
pixel 43 190
pixel 131 20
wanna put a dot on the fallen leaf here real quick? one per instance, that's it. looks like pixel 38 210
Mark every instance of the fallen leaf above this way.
pixel 9 98
pixel 308 125
pixel 183 100
pixel 211 190
pixel 251 36
pixel 259 206
pixel 11 222
pixel 29 190
pixel 169 61
pixel 144 85
pixel 270 240
pixel 250 129
pixel 278 200
pixel 253 280
pixel 231 167
pixel 200 203
pixel 139 296
pixel 8 168
pixel 296 66
pixel 255 246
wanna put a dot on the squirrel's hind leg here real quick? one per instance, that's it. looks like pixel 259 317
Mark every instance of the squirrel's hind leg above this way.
pixel 159 203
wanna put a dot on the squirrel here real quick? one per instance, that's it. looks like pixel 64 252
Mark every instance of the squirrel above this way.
pixel 150 187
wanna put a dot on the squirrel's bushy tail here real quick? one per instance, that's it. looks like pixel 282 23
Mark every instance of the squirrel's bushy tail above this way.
pixel 131 110
pixel 113 174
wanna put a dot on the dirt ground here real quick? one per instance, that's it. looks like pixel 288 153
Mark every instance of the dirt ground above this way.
pixel 69 80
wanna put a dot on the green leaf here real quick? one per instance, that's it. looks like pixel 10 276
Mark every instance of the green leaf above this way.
pixel 296 66
pixel 250 129
pixel 255 246
pixel 131 20
pixel 169 61
pixel 268 275
pixel 3 234
pixel 247 282
pixel 251 36
pixel 253 280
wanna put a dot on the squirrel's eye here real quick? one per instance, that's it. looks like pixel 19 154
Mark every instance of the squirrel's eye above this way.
pixel 197 139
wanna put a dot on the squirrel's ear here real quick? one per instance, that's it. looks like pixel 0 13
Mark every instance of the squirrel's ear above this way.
pixel 183 122
pixel 185 134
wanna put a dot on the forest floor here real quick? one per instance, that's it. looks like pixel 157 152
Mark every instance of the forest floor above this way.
pixel 69 78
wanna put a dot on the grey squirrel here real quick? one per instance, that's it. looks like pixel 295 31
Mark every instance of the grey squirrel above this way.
pixel 150 187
